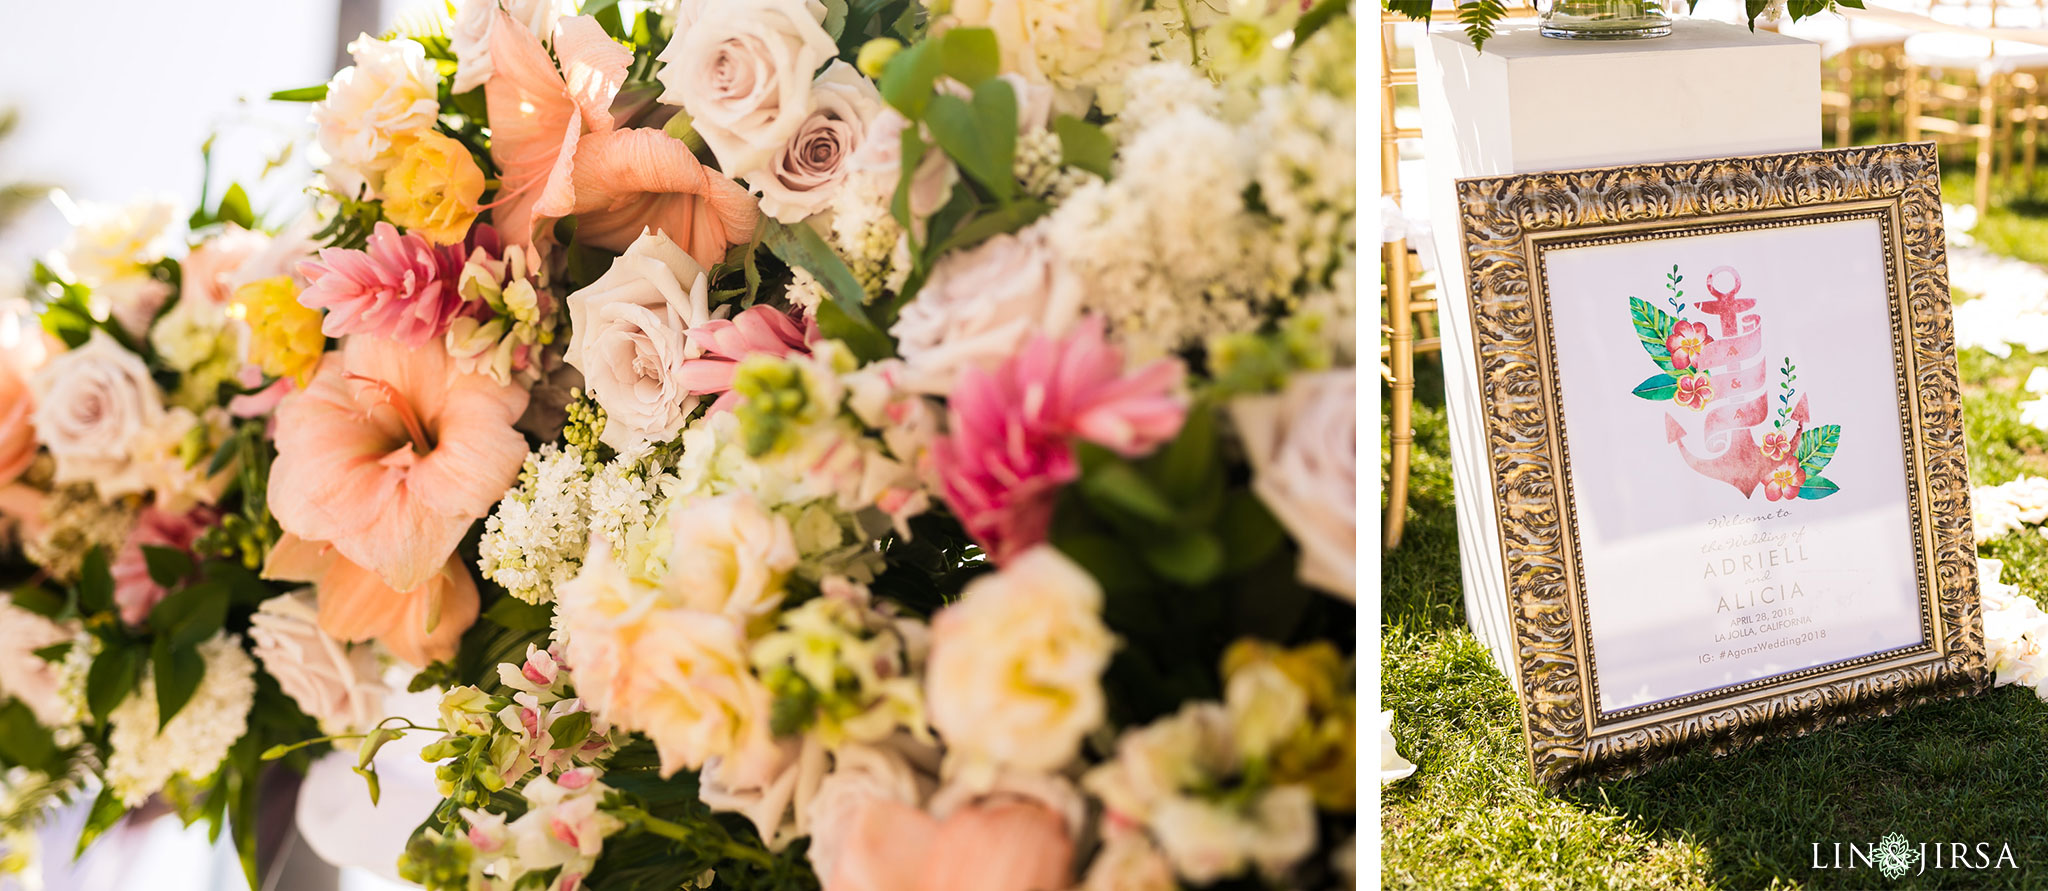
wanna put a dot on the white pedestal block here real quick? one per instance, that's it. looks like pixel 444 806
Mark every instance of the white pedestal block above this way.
pixel 1531 103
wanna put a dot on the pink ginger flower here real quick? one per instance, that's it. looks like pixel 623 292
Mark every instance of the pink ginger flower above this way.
pixel 1784 482
pixel 1010 443
pixel 1685 343
pixel 725 342
pixel 135 592
pixel 402 288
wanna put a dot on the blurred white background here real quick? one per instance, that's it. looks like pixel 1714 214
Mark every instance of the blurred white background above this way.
pixel 115 99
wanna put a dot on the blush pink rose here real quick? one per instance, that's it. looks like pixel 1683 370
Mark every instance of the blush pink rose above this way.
pixel 1009 446
pixel 135 593
pixel 1002 843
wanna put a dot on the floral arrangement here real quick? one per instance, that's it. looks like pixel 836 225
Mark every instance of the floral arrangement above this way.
pixel 859 444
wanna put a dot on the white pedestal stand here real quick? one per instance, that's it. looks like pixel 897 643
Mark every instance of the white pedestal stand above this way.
pixel 1530 103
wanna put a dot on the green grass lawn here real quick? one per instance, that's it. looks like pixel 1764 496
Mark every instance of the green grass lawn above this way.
pixel 1965 770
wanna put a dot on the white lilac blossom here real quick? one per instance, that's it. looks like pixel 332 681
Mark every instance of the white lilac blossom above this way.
pixel 534 541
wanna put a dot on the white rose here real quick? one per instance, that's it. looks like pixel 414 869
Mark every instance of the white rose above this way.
pixel 23 674
pixel 807 172
pixel 899 769
pixel 391 91
pixel 743 72
pixel 729 557
pixel 109 250
pixel 980 306
pixel 91 405
pixel 1303 445
pixel 1015 674
pixel 470 38
pixel 331 681
pixel 626 337
pixel 767 800
pixel 1208 841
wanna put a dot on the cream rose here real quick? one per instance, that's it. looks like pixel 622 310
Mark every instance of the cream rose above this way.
pixel 681 676
pixel 806 173
pixel 92 404
pixel 331 681
pixel 110 249
pixel 1303 445
pixel 1071 44
pixel 729 557
pixel 743 73
pixel 470 38
pixel 1015 673
pixel 626 337
pixel 981 306
pixel 768 800
pixel 390 92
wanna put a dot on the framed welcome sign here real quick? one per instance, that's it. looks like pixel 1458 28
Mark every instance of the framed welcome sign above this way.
pixel 1726 445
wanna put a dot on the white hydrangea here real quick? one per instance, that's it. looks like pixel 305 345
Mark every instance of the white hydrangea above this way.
pixel 534 541
pixel 196 740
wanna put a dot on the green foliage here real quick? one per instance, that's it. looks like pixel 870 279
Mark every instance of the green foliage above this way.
pixel 1083 145
pixel 1658 387
pixel 313 93
pixel 1817 448
pixel 1653 328
pixel 843 316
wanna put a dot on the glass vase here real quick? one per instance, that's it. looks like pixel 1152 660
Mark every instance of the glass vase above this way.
pixel 1605 20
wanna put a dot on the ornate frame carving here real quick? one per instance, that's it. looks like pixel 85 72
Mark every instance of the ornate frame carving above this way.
pixel 1507 222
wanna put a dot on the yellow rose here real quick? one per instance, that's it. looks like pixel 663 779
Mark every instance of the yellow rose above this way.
pixel 434 188
pixel 1320 752
pixel 284 335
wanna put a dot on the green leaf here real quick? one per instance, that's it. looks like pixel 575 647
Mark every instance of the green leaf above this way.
pixel 519 615
pixel 95 583
pixel 1657 387
pixel 234 208
pixel 110 679
pixel 1479 18
pixel 1653 328
pixel 191 615
pixel 835 18
pixel 1116 486
pixel 980 136
pixel 40 600
pixel 1186 466
pixel 106 811
pixel 178 671
pixel 569 730
pixel 1752 9
pixel 969 55
pixel 1249 532
pixel 1000 220
pixel 1192 559
pixel 1084 145
pixel 867 342
pixel 1817 448
pixel 1413 9
pixel 907 80
pixel 593 7
pixel 168 567
pixel 1816 488
pixel 303 94
pixel 56 651
pixel 913 150
pixel 1320 14
pixel 843 316
pixel 24 742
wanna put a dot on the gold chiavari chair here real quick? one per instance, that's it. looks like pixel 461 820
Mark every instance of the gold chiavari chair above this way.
pixel 1972 87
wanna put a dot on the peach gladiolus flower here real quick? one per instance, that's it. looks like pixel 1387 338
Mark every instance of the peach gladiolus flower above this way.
pixel 559 153
pixel 420 625
pixel 1001 844
pixel 390 454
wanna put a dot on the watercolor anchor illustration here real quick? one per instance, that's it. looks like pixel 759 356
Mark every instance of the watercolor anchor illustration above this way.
pixel 1724 378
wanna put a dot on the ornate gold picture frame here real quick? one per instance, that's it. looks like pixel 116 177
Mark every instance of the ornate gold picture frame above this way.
pixel 1844 252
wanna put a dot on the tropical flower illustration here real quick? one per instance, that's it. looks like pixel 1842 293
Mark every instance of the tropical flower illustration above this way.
pixel 1694 391
pixel 1778 444
pixel 1685 343
pixel 1784 482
